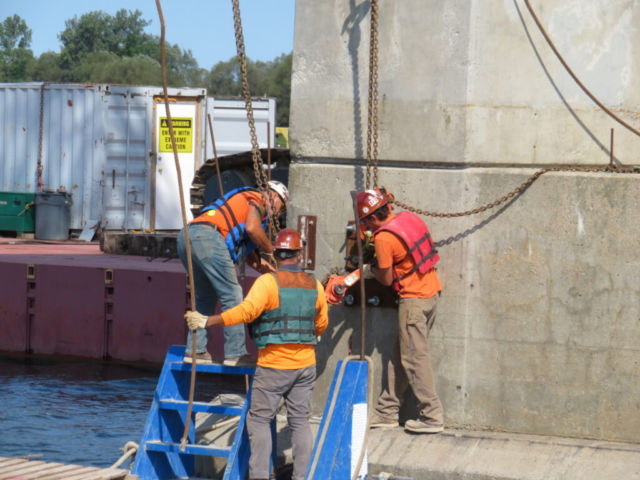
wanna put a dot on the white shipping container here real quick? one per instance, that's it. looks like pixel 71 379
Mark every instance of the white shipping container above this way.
pixel 107 145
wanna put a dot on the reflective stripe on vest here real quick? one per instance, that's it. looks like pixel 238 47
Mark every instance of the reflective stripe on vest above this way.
pixel 414 233
pixel 237 240
pixel 294 321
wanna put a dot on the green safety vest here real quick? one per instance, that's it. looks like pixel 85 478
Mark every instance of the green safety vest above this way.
pixel 294 321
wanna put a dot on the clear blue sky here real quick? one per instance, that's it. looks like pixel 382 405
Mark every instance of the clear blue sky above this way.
pixel 203 26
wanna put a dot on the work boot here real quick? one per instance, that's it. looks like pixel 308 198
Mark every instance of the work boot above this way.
pixel 378 421
pixel 203 357
pixel 245 360
pixel 421 426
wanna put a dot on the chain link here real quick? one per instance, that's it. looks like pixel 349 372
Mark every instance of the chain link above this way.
pixel 40 167
pixel 372 112
pixel 261 176
pixel 513 193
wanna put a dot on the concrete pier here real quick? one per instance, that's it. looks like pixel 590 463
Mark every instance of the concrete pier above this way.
pixel 537 327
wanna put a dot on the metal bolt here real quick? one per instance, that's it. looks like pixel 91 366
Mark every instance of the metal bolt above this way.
pixel 309 262
pixel 310 222
pixel 349 299
pixel 375 301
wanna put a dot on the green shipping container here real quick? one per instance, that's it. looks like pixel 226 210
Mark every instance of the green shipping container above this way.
pixel 17 213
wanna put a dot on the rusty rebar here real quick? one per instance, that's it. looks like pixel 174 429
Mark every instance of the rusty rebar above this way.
pixel 215 154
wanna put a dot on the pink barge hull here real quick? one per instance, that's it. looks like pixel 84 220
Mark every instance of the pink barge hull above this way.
pixel 74 300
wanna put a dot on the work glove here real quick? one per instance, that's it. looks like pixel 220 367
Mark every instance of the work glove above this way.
pixel 271 260
pixel 367 274
pixel 195 320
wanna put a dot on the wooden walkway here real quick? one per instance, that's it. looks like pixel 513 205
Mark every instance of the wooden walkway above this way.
pixel 24 469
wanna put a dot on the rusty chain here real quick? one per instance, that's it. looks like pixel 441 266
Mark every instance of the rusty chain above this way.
pixel 40 167
pixel 513 193
pixel 372 117
pixel 261 177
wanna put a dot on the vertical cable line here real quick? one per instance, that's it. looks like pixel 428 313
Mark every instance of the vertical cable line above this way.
pixel 163 63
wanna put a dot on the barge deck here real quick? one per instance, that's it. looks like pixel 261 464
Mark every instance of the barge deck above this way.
pixel 71 299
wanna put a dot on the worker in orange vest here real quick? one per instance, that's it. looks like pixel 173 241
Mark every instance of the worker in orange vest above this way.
pixel 287 312
pixel 227 232
pixel 406 258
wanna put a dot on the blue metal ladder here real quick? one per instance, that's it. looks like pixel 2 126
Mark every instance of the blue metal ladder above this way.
pixel 159 456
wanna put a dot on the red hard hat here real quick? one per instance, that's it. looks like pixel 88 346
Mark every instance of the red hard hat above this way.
pixel 288 239
pixel 369 201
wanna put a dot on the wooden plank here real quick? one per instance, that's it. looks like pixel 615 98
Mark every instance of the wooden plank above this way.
pixel 38 470
pixel 19 469
pixel 84 474
pixel 78 470
pixel 56 472
pixel 8 462
pixel 109 474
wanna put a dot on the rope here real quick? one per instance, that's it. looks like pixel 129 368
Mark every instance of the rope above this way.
pixel 130 449
pixel 185 226
pixel 26 207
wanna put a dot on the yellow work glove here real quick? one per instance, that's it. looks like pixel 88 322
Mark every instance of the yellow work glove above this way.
pixel 195 320
pixel 270 259
pixel 366 272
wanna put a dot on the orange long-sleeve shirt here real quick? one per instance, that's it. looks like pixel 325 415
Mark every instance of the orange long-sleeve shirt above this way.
pixel 263 296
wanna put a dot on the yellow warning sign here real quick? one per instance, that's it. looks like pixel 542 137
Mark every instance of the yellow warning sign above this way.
pixel 183 132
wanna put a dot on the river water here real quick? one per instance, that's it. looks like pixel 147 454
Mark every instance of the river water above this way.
pixel 76 412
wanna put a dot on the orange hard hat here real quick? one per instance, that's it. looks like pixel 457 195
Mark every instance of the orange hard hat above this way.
pixel 288 239
pixel 369 201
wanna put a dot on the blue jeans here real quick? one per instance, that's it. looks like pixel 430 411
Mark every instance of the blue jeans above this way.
pixel 214 275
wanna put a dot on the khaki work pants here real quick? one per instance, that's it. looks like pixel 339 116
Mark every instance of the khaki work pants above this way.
pixel 410 363
pixel 269 386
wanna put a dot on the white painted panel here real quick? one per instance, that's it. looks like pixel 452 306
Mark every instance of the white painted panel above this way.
pixel 167 194
pixel 358 429
pixel 231 126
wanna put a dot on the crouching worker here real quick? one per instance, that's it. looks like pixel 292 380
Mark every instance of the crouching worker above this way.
pixel 287 311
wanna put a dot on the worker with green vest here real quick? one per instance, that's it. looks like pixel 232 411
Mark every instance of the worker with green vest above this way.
pixel 287 312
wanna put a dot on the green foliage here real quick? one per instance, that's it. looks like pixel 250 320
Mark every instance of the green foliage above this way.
pixel 106 67
pixel 46 68
pixel 121 34
pixel 15 54
pixel 101 48
pixel 271 79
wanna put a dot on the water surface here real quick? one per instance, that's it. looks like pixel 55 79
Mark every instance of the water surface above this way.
pixel 77 412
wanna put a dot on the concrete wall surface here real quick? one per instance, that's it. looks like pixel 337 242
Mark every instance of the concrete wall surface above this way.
pixel 538 324
pixel 467 80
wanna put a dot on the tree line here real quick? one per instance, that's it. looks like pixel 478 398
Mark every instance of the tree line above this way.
pixel 101 48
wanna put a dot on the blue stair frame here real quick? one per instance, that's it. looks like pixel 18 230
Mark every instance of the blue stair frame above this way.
pixel 159 456
pixel 336 457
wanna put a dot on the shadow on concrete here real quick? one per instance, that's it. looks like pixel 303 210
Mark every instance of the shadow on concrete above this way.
pixel 555 87
pixel 351 26
pixel 486 221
